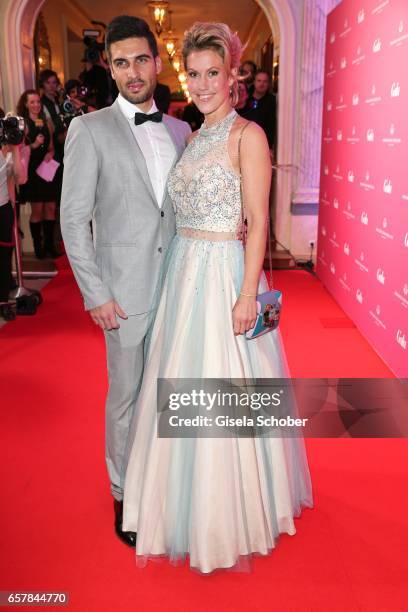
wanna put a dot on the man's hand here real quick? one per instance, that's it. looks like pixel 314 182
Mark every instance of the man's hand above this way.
pixel 105 315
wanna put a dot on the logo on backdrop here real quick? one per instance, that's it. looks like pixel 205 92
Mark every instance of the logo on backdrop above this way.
pixel 343 282
pixel 395 90
pixel 348 213
pixel 387 188
pixel 366 182
pixel 337 175
pixel 381 276
pixel 333 240
pixel 401 35
pixel 377 45
pixel 360 263
pixel 383 230
pixel 402 295
pixel 401 339
pixel 373 97
pixel 376 316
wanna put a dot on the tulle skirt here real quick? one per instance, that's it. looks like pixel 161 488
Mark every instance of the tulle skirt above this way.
pixel 213 501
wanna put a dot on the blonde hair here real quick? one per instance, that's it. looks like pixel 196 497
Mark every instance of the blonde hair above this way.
pixel 217 37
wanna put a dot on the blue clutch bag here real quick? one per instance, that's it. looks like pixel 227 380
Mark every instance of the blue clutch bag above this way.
pixel 269 306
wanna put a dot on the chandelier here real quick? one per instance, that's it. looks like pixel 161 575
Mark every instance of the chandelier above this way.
pixel 176 62
pixel 159 11
pixel 170 41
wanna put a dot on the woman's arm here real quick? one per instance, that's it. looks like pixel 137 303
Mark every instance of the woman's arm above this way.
pixel 51 151
pixel 256 174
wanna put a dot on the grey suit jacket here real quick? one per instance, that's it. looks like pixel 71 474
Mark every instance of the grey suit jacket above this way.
pixel 106 179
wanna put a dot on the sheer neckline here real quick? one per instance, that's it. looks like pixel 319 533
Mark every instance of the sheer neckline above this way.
pixel 219 126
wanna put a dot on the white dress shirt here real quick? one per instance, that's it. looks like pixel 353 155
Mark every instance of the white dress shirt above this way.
pixel 155 143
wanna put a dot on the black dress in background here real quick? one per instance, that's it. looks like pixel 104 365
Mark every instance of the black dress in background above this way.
pixel 36 189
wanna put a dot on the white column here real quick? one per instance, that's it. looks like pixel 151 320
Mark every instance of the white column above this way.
pixel 311 102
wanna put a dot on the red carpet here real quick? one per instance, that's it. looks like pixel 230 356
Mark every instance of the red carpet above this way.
pixel 350 551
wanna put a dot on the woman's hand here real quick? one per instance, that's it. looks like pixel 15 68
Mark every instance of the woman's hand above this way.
pixel 48 156
pixel 38 141
pixel 244 314
pixel 77 103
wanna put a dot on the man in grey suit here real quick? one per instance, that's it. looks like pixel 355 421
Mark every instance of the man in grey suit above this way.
pixel 115 171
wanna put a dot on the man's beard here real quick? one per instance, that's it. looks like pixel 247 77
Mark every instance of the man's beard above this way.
pixel 139 98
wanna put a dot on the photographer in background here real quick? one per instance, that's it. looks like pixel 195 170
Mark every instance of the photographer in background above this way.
pixel 96 79
pixel 78 96
pixel 10 166
pixel 41 194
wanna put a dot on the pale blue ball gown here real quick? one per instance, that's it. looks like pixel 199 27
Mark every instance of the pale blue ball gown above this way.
pixel 215 501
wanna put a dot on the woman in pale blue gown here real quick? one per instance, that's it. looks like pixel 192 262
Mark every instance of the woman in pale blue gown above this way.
pixel 215 501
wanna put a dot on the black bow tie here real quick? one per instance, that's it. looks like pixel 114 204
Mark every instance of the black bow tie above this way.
pixel 142 117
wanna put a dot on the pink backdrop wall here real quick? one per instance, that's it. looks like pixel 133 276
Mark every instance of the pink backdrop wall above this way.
pixel 362 253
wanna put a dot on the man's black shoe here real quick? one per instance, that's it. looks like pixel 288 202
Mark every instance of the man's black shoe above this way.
pixel 128 537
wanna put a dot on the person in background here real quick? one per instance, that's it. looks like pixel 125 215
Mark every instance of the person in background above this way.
pixel 193 116
pixel 51 86
pixel 261 107
pixel 95 78
pixel 73 90
pixel 242 100
pixel 10 165
pixel 40 193
pixel 248 70
pixel 52 89
pixel 162 97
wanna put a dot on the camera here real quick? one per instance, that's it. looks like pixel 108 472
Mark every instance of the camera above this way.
pixel 12 130
pixel 67 107
pixel 93 50
pixel 68 112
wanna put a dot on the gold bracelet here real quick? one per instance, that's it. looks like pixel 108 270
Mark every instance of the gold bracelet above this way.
pixel 248 294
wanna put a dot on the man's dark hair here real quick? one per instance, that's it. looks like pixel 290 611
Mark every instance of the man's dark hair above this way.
pixel 251 63
pixel 260 71
pixel 45 75
pixel 2 113
pixel 126 26
pixel 71 84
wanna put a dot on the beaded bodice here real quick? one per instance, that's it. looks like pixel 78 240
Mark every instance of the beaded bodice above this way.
pixel 203 185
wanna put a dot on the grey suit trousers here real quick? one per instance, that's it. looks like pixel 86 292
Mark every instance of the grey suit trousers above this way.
pixel 125 359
